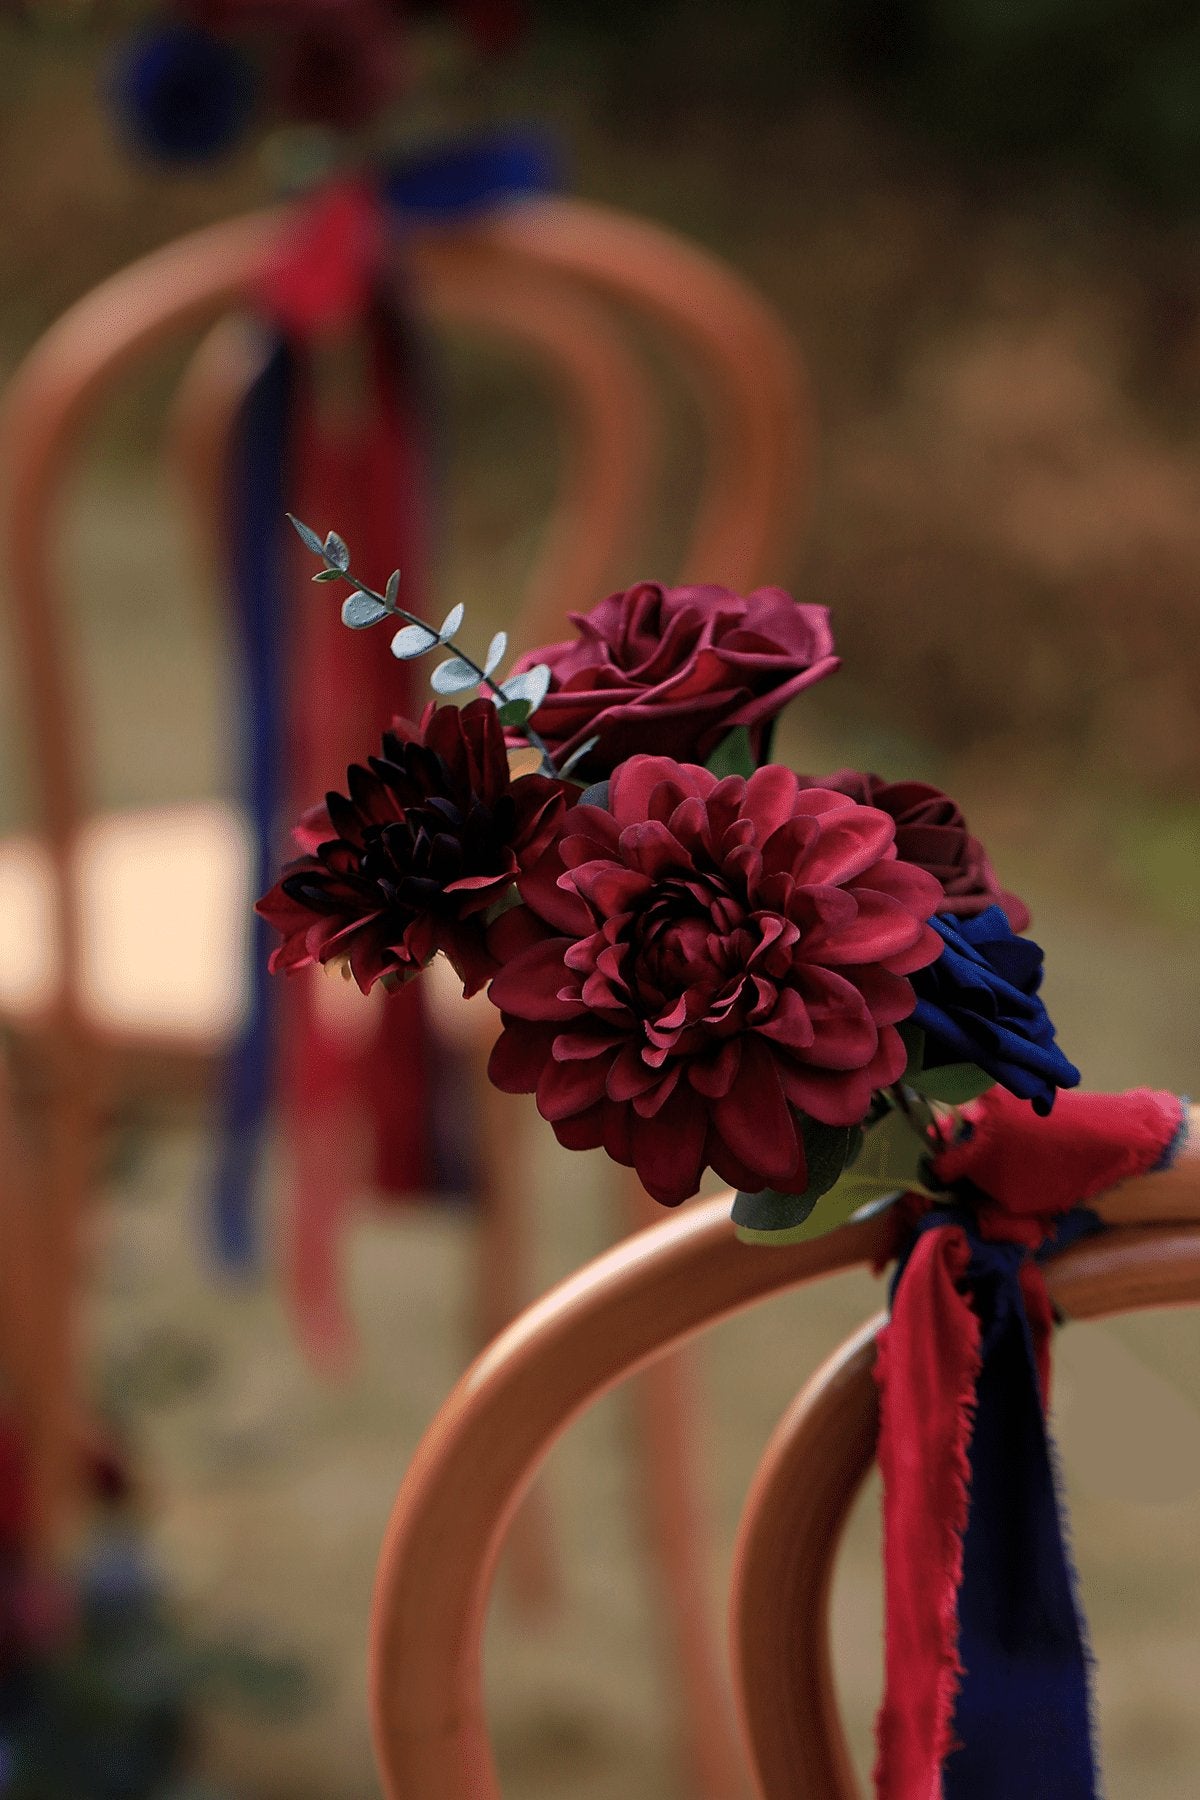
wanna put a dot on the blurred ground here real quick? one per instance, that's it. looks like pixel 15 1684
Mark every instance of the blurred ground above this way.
pixel 1006 524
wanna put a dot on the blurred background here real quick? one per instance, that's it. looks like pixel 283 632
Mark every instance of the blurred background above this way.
pixel 980 222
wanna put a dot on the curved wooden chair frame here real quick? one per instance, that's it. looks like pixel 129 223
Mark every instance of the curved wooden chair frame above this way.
pixel 640 1300
pixel 543 275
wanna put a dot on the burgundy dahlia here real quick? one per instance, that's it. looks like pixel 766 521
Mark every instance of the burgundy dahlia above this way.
pixel 932 832
pixel 669 671
pixel 431 835
pixel 706 960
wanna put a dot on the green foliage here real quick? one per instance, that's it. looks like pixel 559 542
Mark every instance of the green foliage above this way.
pixel 768 1217
pixel 733 755
pixel 885 1160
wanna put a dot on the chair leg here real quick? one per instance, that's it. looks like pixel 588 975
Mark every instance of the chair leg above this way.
pixel 501 1290
pixel 677 1538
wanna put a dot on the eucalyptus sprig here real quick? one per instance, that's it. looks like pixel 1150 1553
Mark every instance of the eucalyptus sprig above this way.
pixel 517 699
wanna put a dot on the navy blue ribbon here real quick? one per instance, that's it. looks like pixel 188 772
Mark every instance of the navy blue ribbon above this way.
pixel 448 182
pixel 258 480
pixel 1023 1715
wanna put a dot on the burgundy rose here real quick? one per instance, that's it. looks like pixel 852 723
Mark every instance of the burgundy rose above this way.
pixel 669 671
pixel 430 836
pixel 706 960
pixel 932 832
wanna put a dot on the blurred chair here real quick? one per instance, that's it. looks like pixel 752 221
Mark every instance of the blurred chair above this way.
pixel 637 1302
pixel 100 1003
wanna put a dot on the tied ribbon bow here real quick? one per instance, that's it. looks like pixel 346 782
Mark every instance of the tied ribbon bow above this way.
pixel 987 1691
pixel 313 695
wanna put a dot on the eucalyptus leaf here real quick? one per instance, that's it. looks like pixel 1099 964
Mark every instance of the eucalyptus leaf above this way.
pixel 329 575
pixel 392 589
pixel 307 535
pixel 596 795
pixel 576 757
pixel 495 652
pixel 453 677
pixel 532 685
pixel 954 1083
pixel 733 755
pixel 414 640
pixel 335 552
pixel 512 712
pixel 452 621
pixel 360 610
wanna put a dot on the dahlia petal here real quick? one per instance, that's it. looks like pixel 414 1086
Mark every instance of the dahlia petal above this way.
pixel 582 1131
pixel 754 1118
pixel 849 843
pixel 529 985
pixel 668 1151
pixel 789 1023
pixel 831 1096
pixel 566 1088
pixel 715 1075
pixel 653 849
pixel 646 787
pixel 770 800
pixel 608 887
pixel 927 948
pixel 518 1057
pixel 629 1075
pixel 882 928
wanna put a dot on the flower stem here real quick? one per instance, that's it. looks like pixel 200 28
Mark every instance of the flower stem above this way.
pixel 532 738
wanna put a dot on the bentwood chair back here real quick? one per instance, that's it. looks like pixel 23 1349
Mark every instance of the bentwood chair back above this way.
pixel 84 985
pixel 640 1300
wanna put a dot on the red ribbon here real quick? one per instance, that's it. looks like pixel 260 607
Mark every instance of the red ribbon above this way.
pixel 1032 1171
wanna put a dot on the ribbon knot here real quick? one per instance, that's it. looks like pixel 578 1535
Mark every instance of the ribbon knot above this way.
pixel 987 1692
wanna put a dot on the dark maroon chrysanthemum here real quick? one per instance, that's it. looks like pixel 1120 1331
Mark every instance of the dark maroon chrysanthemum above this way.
pixel 700 965
pixel 432 833
pixel 932 832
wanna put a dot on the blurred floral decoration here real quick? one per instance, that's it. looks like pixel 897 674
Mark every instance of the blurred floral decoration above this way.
pixel 187 86
pixel 336 85
pixel 98 1682
pixel 814 987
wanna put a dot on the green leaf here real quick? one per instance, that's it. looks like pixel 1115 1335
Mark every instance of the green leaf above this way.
pixel 496 649
pixel 596 795
pixel 329 575
pixel 393 588
pixel 761 1218
pixel 888 1161
pixel 360 610
pixel 335 552
pixel 414 640
pixel 509 898
pixel 533 685
pixel 307 535
pixel 453 677
pixel 954 1083
pixel 452 621
pixel 733 755
pixel 513 712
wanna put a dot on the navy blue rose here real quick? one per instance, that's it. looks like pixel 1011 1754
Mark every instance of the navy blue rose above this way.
pixel 182 94
pixel 978 1003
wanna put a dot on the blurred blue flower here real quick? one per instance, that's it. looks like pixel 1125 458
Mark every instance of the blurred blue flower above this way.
pixel 978 1003
pixel 181 94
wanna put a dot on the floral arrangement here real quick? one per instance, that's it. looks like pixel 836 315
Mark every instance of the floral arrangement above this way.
pixel 701 959
pixel 188 84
